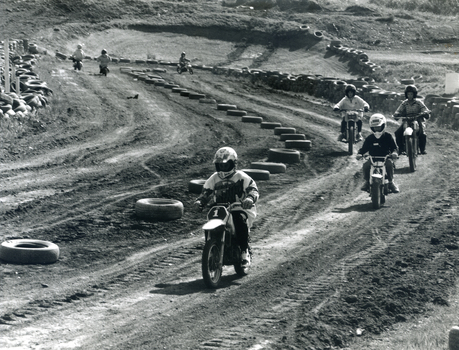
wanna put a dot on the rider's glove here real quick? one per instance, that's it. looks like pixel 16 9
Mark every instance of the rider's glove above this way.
pixel 358 156
pixel 394 156
pixel 366 109
pixel 198 206
pixel 336 109
pixel 247 203
pixel 396 116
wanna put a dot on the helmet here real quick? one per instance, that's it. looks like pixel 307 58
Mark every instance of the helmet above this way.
pixel 79 46
pixel 411 88
pixel 350 87
pixel 378 124
pixel 225 161
pixel 103 51
pixel 183 53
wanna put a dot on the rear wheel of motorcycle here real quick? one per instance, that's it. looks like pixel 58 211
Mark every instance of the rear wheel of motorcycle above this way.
pixel 375 191
pixel 351 140
pixel 411 152
pixel 179 71
pixel 190 70
pixel 211 268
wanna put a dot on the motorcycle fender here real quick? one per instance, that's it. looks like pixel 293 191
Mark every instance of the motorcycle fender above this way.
pixel 408 132
pixel 213 224
pixel 377 177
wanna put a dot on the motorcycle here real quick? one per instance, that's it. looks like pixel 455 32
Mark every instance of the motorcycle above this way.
pixel 181 68
pixel 77 64
pixel 221 246
pixel 411 135
pixel 351 117
pixel 379 184
pixel 104 71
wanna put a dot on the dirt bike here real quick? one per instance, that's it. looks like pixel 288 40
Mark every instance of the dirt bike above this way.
pixel 351 117
pixel 181 68
pixel 221 247
pixel 411 136
pixel 77 64
pixel 104 71
pixel 379 184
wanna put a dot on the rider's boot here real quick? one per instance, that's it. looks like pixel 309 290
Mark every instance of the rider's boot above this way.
pixel 422 143
pixel 366 186
pixel 341 137
pixel 245 256
pixel 359 137
pixel 393 188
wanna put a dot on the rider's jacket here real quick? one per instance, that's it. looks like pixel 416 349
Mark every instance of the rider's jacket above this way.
pixel 229 190
pixel 412 107
pixel 78 55
pixel 354 103
pixel 379 147
pixel 183 60
pixel 103 60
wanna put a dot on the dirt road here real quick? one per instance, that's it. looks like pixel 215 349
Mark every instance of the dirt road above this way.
pixel 325 262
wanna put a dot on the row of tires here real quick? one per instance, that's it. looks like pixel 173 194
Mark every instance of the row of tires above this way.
pixel 170 209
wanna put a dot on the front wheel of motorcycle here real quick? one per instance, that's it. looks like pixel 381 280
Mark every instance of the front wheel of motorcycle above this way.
pixel 351 140
pixel 211 267
pixel 191 70
pixel 375 192
pixel 241 271
pixel 411 152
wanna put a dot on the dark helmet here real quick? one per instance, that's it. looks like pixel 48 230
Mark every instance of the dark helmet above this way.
pixel 103 51
pixel 350 87
pixel 411 88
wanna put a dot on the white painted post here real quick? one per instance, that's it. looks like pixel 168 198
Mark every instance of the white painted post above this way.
pixel 7 66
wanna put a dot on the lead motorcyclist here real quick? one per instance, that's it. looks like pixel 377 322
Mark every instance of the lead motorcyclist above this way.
pixel 351 102
pixel 379 143
pixel 412 106
pixel 229 185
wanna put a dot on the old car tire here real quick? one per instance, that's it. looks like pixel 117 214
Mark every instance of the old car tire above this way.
pixel 283 155
pixel 225 107
pixel 283 137
pixel 160 209
pixel 257 174
pixel 251 119
pixel 29 251
pixel 303 144
pixel 284 130
pixel 270 125
pixel 236 112
pixel 195 186
pixel 273 168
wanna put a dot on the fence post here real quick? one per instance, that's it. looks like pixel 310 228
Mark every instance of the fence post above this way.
pixel 7 66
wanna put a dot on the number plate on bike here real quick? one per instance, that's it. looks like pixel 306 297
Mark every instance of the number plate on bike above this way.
pixel 217 213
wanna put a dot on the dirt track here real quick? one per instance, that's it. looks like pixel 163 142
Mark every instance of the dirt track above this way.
pixel 325 262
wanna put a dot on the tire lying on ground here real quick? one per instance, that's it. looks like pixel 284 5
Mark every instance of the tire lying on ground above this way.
pixel 283 155
pixel 302 144
pixel 236 112
pixel 196 96
pixel 257 174
pixel 225 107
pixel 207 100
pixel 29 251
pixel 159 209
pixel 283 137
pixel 251 119
pixel 270 125
pixel 273 168
pixel 195 186
pixel 284 130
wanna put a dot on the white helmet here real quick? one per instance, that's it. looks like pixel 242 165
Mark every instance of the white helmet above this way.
pixel 378 124
pixel 79 46
pixel 225 161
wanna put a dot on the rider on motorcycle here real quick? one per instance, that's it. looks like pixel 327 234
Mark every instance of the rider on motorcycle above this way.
pixel 351 102
pixel 229 185
pixel 183 61
pixel 379 143
pixel 103 60
pixel 78 55
pixel 414 107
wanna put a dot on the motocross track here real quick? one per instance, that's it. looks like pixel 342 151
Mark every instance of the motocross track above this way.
pixel 325 263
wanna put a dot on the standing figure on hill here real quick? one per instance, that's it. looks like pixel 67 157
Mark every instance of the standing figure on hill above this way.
pixel 229 185
pixel 414 107
pixel 77 57
pixel 103 60
pixel 351 102
pixel 380 144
